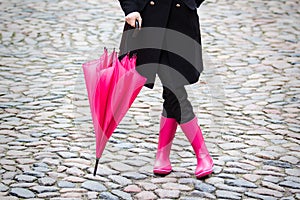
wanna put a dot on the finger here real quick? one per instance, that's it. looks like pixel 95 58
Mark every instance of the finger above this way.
pixel 140 22
pixel 130 22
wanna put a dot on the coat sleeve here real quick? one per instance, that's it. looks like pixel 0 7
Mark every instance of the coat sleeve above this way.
pixel 199 2
pixel 129 6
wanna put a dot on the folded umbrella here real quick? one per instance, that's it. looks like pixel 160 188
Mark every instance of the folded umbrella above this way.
pixel 112 87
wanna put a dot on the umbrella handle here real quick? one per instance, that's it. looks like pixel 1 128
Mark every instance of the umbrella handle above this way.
pixel 136 30
pixel 137 24
pixel 96 166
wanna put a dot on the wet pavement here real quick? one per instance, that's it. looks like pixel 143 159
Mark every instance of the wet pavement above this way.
pixel 247 102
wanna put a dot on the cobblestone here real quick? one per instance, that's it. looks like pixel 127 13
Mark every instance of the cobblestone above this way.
pixel 226 194
pixel 22 193
pixel 146 195
pixel 168 193
pixel 205 187
pixel 247 102
pixel 132 188
pixel 65 184
pixel 46 181
pixel 93 186
pixel 108 195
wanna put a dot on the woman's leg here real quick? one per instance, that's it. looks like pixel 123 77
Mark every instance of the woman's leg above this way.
pixel 179 107
pixel 176 105
pixel 168 126
pixel 167 131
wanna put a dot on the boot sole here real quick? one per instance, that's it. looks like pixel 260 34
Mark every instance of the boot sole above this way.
pixel 204 173
pixel 161 172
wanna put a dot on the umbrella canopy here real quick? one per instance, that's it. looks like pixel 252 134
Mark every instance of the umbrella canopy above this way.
pixel 112 87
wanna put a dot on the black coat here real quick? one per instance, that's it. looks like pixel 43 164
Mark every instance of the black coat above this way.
pixel 129 6
pixel 152 45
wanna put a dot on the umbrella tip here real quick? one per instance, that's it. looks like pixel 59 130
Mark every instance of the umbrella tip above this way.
pixel 96 166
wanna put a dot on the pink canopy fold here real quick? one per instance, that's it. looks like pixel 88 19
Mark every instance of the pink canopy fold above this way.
pixel 112 87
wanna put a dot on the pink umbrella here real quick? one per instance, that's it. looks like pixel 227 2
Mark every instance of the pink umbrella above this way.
pixel 112 87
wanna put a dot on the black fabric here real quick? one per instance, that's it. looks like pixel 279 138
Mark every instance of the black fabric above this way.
pixel 129 6
pixel 176 105
pixel 165 14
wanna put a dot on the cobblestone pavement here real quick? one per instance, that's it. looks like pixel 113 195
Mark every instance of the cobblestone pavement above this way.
pixel 247 103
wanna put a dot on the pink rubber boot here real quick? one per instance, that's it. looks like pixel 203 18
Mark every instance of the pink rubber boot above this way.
pixel 193 132
pixel 167 131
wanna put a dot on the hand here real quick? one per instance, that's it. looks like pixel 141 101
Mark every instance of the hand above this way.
pixel 131 17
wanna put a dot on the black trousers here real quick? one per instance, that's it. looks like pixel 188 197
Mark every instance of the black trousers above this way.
pixel 176 105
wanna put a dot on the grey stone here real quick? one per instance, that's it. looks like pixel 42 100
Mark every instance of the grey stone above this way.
pixel 74 179
pixel 121 167
pixel 124 145
pixel 132 189
pixel 67 154
pixel 136 163
pixel 120 180
pixel 195 195
pixel 293 172
pixel 268 155
pixel 233 170
pixel 75 171
pixel 187 181
pixel 176 186
pixel 290 159
pixel 259 196
pixel 27 140
pixel 241 165
pixel 146 195
pixel 277 163
pixel 230 188
pixel 108 196
pixel 47 195
pixel 272 186
pixel 241 183
pixel 273 179
pixel 293 178
pixel 205 187
pixel 25 178
pixel 22 193
pixel 122 195
pixel 228 194
pixel 93 186
pixel 104 171
pixel 148 186
pixel 3 188
pixel 214 180
pixel 163 180
pixel 22 185
pixel 268 172
pixel 268 192
pixel 41 164
pixel 42 189
pixel 290 184
pixel 41 169
pixel 134 175
pixel 251 177
pixel 46 181
pixel 167 193
pixel 65 184
pixel 231 146
pixel 35 173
